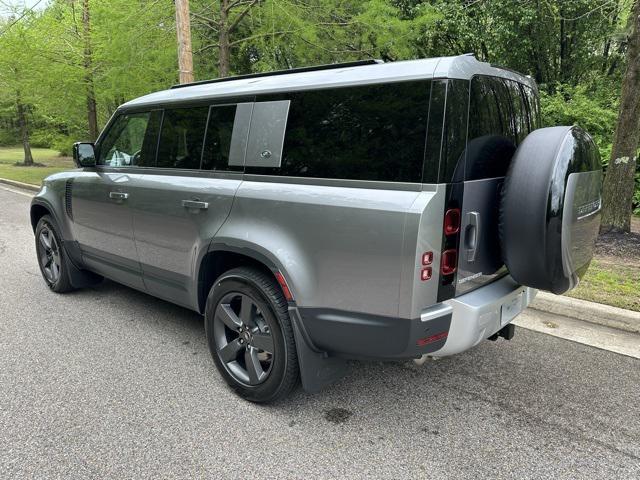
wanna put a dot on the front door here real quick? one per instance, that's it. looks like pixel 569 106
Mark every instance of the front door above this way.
pixel 102 217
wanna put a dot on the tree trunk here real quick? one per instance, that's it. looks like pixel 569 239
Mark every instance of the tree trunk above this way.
pixel 92 110
pixel 183 27
pixel 24 130
pixel 224 47
pixel 619 182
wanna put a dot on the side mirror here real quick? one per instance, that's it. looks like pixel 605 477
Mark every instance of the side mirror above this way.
pixel 84 154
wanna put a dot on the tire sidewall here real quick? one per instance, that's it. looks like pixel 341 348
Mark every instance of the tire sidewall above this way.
pixel 236 282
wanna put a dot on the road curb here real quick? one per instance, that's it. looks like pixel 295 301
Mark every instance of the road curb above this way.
pixel 585 311
pixel 15 183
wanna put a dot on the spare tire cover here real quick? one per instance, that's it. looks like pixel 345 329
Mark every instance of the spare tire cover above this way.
pixel 550 208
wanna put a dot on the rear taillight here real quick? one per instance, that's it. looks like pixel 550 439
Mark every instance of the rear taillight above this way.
pixel 452 221
pixel 425 274
pixel 449 262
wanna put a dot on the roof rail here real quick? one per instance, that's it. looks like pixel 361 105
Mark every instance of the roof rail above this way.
pixel 330 66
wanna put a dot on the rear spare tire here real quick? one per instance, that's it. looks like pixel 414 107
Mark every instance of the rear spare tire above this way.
pixel 550 208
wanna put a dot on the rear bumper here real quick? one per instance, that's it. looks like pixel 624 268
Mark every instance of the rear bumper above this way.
pixel 443 329
pixel 479 314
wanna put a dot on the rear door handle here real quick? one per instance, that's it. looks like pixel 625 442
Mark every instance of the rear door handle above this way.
pixel 472 235
pixel 118 195
pixel 195 204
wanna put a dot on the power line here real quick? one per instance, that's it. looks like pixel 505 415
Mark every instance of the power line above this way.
pixel 24 14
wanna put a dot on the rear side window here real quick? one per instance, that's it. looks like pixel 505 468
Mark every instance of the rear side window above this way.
pixel 373 132
pixel 219 135
pixel 182 137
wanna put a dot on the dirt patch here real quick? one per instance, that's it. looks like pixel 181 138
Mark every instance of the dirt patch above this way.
pixel 616 247
pixel 337 415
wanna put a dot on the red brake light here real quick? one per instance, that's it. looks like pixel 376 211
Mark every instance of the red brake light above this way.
pixel 427 258
pixel 452 221
pixel 425 274
pixel 449 262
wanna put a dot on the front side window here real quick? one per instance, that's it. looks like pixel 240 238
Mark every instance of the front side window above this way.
pixel 130 141
pixel 182 137
pixel 374 132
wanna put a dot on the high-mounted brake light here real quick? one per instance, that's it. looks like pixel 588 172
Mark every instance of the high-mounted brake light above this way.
pixel 452 221
pixel 449 262
pixel 283 285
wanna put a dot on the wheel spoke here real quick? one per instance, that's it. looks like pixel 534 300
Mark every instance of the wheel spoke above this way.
pixel 44 240
pixel 226 314
pixel 246 310
pixel 229 352
pixel 55 269
pixel 263 341
pixel 254 369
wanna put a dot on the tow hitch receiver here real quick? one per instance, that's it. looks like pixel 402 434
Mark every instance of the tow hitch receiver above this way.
pixel 507 332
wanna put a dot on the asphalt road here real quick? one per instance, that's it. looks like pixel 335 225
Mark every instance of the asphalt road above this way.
pixel 113 383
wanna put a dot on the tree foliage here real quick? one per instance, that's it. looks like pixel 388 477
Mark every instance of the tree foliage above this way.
pixel 575 49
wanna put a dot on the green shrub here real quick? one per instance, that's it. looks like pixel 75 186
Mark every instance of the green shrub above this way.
pixel 63 144
pixel 8 138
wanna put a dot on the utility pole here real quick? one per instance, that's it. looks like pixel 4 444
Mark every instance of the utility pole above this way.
pixel 183 27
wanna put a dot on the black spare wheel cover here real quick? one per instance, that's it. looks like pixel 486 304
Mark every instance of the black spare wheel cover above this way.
pixel 550 208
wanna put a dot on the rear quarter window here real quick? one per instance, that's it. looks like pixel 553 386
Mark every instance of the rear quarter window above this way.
pixel 372 132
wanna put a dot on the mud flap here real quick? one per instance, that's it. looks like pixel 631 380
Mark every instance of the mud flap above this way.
pixel 317 369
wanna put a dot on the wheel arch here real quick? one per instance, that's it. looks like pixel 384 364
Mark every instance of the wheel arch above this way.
pixel 222 257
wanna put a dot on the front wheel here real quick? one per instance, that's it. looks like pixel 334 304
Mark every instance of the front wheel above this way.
pixel 250 336
pixel 52 256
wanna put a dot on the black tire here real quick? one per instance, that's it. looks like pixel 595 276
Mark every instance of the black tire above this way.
pixel 52 257
pixel 236 347
pixel 550 208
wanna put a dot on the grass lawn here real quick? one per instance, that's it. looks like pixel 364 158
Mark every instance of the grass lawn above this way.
pixel 53 162
pixel 611 284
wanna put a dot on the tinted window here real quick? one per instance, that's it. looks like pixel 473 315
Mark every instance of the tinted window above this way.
pixel 455 131
pixel 182 137
pixel 365 133
pixel 492 131
pixel 219 133
pixel 130 140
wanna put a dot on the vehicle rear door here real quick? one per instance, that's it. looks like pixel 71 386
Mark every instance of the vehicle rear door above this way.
pixel 499 118
pixel 180 202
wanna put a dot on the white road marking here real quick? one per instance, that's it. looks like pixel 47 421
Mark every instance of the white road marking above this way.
pixel 598 336
pixel 26 194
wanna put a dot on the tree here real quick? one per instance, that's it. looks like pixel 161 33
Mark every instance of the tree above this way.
pixel 16 75
pixel 619 180
pixel 92 108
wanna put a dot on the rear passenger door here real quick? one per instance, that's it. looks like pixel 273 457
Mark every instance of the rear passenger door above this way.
pixel 499 119
pixel 180 201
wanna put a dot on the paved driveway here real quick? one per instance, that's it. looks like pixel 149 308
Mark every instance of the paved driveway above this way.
pixel 113 383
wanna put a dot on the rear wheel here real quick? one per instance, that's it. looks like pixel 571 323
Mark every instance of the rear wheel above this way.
pixel 52 258
pixel 250 336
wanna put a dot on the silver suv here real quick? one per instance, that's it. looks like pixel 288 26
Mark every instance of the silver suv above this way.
pixel 366 210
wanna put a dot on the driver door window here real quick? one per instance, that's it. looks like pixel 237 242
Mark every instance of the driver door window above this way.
pixel 131 141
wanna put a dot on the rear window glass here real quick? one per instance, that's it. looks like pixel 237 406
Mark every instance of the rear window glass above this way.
pixel 366 133
pixel 500 117
pixel 182 137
